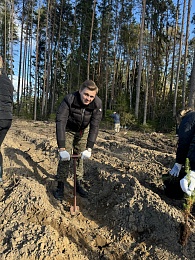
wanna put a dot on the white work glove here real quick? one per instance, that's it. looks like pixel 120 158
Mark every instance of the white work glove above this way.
pixel 187 184
pixel 86 154
pixel 175 170
pixel 64 155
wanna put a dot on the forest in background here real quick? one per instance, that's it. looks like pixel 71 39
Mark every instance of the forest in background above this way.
pixel 139 53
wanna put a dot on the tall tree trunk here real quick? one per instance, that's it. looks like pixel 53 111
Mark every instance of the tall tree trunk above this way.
pixel 30 104
pixel 106 80
pixel 147 80
pixel 72 47
pixel 179 60
pixel 52 91
pixel 145 83
pixel 113 88
pixel 57 60
pixel 166 63
pixel 37 61
pixel 174 46
pixel 12 38
pixel 185 56
pixel 23 89
pixel 138 83
pixel 20 60
pixel 44 97
pixel 90 39
pixel 191 103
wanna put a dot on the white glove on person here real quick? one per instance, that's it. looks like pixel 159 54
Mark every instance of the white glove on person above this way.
pixel 176 169
pixel 86 154
pixel 64 155
pixel 187 184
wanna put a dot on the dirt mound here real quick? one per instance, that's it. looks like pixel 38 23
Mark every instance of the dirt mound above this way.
pixel 127 215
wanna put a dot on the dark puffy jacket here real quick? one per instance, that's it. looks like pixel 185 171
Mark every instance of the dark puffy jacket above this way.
pixel 186 141
pixel 6 97
pixel 73 115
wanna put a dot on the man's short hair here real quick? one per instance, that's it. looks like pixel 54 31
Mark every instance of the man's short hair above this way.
pixel 89 84
pixel 181 113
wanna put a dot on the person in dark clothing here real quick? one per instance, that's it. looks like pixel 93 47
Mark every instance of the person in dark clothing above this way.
pixel 185 149
pixel 77 124
pixel 116 118
pixel 6 102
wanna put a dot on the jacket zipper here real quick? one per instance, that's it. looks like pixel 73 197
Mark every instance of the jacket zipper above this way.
pixel 82 116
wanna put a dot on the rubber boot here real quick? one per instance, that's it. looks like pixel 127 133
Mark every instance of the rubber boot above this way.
pixel 59 193
pixel 81 189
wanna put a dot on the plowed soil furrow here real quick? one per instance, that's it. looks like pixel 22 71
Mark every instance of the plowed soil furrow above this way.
pixel 127 215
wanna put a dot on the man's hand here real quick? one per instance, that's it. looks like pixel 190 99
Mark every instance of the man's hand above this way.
pixel 176 169
pixel 86 154
pixel 64 155
pixel 188 183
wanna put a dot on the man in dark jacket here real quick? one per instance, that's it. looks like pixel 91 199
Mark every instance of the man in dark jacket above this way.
pixel 185 149
pixel 6 101
pixel 77 125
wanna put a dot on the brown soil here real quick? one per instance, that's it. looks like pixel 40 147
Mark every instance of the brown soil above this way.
pixel 127 215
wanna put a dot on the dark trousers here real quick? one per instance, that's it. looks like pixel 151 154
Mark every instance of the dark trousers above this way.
pixel 5 125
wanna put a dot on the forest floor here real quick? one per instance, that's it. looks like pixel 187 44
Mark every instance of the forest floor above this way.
pixel 127 215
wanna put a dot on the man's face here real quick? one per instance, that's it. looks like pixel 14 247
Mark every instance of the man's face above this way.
pixel 87 96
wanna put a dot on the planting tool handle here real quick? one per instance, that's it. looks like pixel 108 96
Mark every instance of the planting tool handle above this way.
pixel 74 209
pixel 75 156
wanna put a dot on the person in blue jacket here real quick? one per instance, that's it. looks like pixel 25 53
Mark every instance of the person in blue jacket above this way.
pixel 116 118
pixel 6 102
pixel 185 149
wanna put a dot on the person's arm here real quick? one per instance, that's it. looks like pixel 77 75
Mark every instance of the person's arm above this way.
pixel 93 129
pixel 61 121
pixel 94 124
pixel 186 133
pixel 185 136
